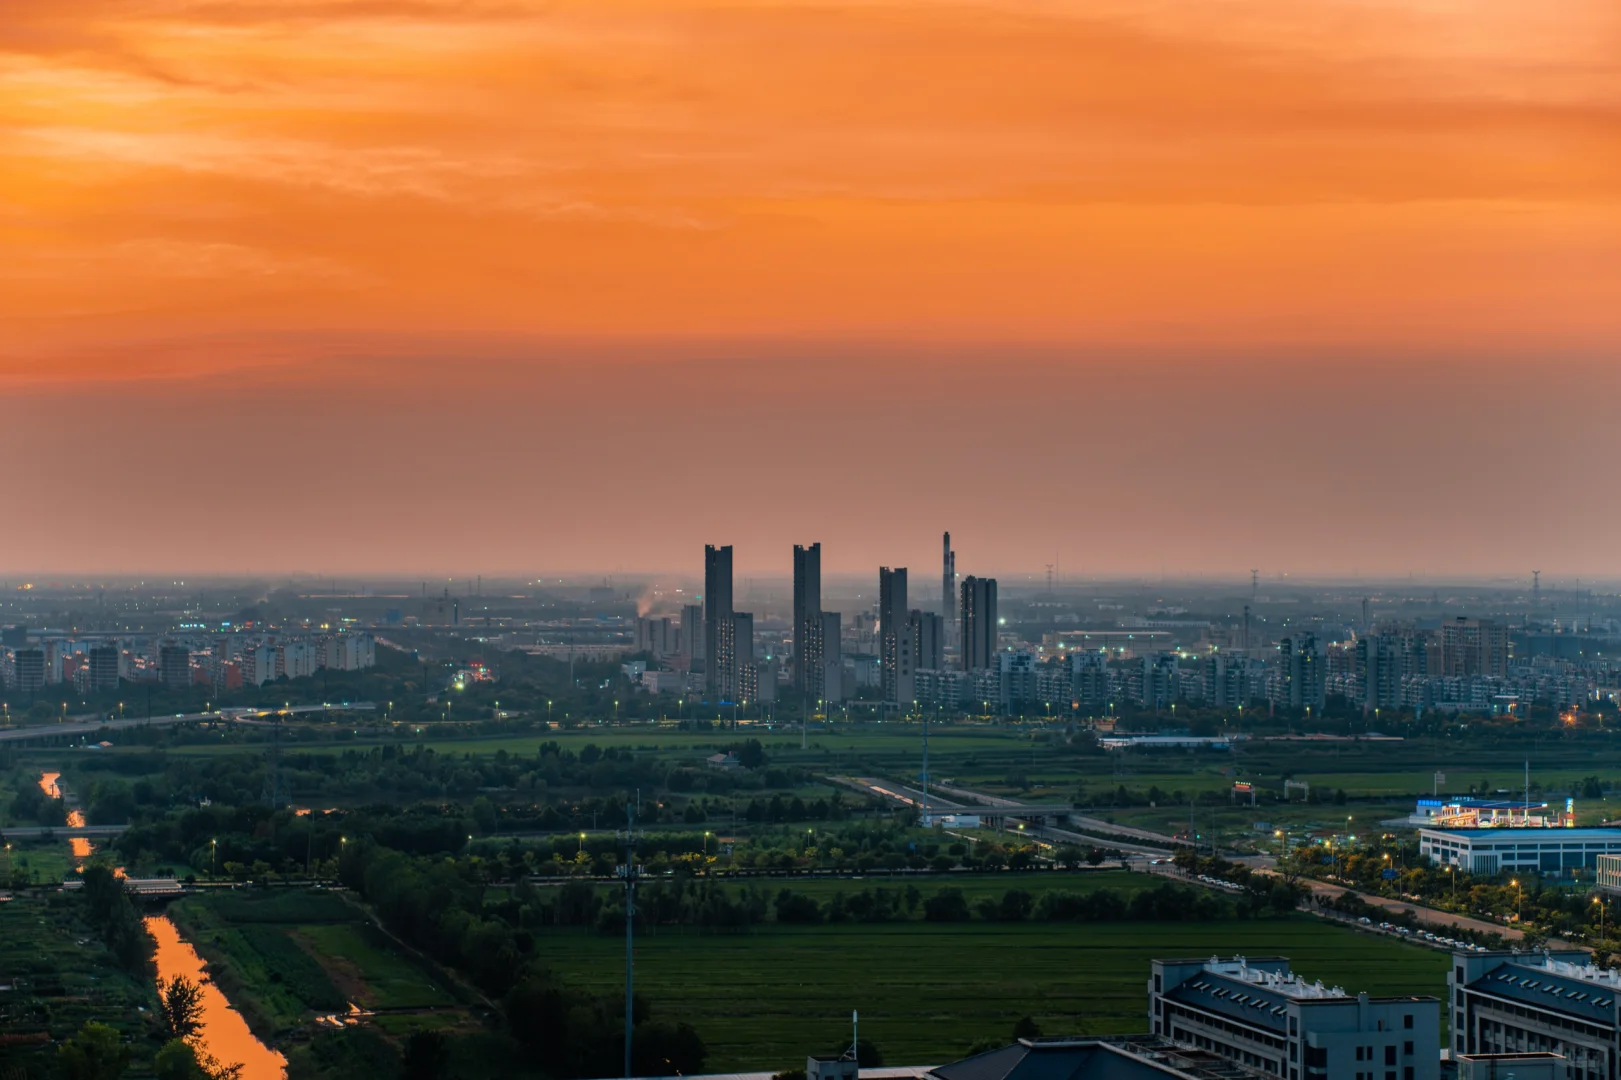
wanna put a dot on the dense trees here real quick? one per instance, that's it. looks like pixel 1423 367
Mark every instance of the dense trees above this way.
pixel 95 1052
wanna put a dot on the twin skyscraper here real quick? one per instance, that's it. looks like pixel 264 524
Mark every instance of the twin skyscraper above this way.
pixel 909 639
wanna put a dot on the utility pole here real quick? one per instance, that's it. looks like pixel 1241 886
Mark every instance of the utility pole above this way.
pixel 630 872
pixel 925 821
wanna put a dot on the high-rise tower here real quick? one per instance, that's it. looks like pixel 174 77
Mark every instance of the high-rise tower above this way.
pixel 720 651
pixel 807 628
pixel 978 623
pixel 895 638
pixel 948 583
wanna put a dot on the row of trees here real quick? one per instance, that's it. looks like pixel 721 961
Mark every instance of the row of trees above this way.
pixel 439 907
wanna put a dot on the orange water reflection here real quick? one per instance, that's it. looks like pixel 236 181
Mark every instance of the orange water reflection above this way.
pixel 47 784
pixel 225 1034
pixel 80 846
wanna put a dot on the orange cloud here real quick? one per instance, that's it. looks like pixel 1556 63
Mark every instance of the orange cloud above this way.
pixel 1251 176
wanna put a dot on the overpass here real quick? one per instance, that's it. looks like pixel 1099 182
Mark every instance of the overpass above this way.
pixel 78 727
pixel 1047 818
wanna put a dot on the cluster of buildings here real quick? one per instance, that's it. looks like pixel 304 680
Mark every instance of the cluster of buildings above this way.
pixel 957 654
pixel 94 663
pixel 1546 1015
pixel 711 647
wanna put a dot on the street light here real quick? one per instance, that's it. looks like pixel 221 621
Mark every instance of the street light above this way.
pixel 1519 898
pixel 1601 914
pixel 582 844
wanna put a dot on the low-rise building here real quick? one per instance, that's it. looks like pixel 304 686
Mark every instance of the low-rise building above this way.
pixel 1538 1002
pixel 1259 1014
pixel 1519 850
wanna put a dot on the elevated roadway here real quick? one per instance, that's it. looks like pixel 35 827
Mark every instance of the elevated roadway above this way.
pixel 79 727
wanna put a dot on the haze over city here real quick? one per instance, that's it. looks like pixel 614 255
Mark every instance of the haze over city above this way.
pixel 514 288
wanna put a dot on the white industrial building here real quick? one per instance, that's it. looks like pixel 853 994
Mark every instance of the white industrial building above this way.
pixel 1519 850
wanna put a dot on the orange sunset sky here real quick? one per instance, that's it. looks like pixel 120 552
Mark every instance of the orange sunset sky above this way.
pixel 1179 286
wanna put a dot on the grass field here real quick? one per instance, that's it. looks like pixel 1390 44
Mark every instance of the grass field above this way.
pixel 370 973
pixel 927 991
pixel 285 957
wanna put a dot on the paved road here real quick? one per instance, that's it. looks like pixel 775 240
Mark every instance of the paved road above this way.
pixel 60 832
pixel 937 803
pixel 79 726
pixel 1091 823
pixel 1426 916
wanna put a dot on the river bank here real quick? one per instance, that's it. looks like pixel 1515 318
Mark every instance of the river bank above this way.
pixel 226 1034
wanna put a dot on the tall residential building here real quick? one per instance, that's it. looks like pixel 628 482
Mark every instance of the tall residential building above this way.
pixel 807 628
pixel 928 640
pixel 978 623
pixel 743 683
pixel 831 688
pixel 28 670
pixel 258 665
pixel 103 668
pixel 174 666
pixel 1300 682
pixel 692 631
pixel 895 638
pixel 720 660
pixel 1474 647
pixel 350 652
pixel 300 659
pixel 948 582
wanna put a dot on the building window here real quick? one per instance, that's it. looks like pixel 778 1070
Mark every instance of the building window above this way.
pixel 1390 1057
pixel 1407 1018
pixel 1407 1049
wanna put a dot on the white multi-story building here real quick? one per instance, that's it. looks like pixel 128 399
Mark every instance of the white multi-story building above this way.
pixel 1257 1013
pixel 1556 1002
pixel 299 659
pixel 258 664
pixel 350 652
pixel 1556 851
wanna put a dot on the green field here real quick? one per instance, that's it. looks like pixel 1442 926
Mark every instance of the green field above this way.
pixel 371 973
pixel 286 957
pixel 926 991
pixel 62 974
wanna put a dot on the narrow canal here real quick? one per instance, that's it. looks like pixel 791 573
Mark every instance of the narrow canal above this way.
pixel 225 1034
pixel 80 847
